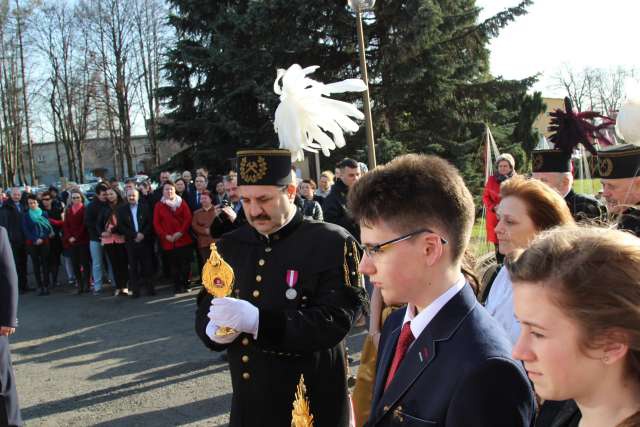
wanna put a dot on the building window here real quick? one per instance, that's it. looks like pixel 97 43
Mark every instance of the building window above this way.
pixel 40 159
pixel 147 149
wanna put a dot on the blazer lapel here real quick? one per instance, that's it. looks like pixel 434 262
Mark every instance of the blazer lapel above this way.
pixel 423 351
pixel 383 364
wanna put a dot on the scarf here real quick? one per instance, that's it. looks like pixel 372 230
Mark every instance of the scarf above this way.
pixel 502 178
pixel 42 223
pixel 75 208
pixel 172 204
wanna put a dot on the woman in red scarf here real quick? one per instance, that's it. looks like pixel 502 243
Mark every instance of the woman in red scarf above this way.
pixel 171 222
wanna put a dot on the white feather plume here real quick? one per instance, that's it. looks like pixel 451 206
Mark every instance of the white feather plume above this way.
pixel 628 122
pixel 306 113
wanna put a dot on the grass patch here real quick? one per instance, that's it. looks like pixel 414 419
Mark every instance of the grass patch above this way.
pixel 587 186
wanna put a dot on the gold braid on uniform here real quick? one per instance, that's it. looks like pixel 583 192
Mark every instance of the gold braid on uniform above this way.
pixel 352 278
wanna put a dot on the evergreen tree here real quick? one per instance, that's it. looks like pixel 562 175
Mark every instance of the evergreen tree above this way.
pixel 428 62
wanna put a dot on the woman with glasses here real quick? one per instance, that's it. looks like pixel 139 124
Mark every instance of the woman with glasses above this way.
pixel 54 209
pixel 576 295
pixel 527 208
pixel 38 232
pixel 76 239
pixel 113 242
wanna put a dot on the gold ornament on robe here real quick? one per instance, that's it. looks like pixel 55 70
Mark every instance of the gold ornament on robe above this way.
pixel 301 414
pixel 218 278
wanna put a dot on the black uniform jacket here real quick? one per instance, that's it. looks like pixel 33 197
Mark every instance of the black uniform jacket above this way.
pixel 457 373
pixel 9 409
pixel 584 208
pixel 630 221
pixel 299 336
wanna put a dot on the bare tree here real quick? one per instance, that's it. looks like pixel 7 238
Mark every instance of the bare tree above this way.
pixel 64 43
pixel 594 89
pixel 149 19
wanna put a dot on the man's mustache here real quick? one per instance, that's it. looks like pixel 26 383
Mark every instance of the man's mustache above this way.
pixel 261 218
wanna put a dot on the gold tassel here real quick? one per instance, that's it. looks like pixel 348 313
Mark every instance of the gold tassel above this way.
pixel 301 414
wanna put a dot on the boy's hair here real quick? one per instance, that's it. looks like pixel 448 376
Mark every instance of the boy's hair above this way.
pixel 415 191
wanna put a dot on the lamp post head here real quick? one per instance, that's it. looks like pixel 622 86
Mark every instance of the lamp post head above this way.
pixel 361 5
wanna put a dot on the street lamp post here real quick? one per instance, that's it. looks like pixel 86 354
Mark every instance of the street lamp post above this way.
pixel 360 6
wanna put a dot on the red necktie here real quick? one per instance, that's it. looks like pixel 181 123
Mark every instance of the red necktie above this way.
pixel 405 340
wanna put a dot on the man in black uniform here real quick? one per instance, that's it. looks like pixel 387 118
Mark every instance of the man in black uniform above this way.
pixel 553 167
pixel 618 169
pixel 297 293
pixel 9 409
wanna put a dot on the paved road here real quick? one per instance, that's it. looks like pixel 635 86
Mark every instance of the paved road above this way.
pixel 115 361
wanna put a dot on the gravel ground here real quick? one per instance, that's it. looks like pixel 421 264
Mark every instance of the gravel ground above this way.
pixel 84 360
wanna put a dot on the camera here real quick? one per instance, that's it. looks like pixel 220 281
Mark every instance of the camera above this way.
pixel 225 203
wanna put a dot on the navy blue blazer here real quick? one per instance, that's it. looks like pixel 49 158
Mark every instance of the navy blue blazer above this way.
pixel 458 372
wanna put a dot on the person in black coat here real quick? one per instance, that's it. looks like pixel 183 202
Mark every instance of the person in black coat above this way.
pixel 335 208
pixel 229 214
pixel 137 231
pixel 554 168
pixel 11 218
pixel 296 302
pixel 9 408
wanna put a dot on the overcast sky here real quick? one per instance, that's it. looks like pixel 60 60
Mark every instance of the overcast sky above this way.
pixel 578 33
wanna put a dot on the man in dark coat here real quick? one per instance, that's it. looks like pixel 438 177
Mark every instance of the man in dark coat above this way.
pixel 11 219
pixel 9 409
pixel 442 360
pixel 553 167
pixel 229 214
pixel 293 303
pixel 135 222
pixel 335 205
pixel 618 168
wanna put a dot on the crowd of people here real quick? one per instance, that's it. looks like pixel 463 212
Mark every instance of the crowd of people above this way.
pixel 552 339
pixel 127 231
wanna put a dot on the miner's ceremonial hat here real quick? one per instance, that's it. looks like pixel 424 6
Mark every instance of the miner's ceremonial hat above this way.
pixel 264 167
pixel 551 161
pixel 619 161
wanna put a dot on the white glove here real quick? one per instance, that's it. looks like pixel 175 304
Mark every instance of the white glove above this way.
pixel 225 339
pixel 235 313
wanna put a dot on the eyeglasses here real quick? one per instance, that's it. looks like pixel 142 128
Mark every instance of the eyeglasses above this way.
pixel 372 250
pixel 46 200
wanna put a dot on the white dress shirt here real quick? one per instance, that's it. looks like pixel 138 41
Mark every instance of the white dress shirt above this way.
pixel 500 305
pixel 134 213
pixel 421 320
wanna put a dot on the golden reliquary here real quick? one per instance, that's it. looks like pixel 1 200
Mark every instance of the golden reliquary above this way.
pixel 301 414
pixel 218 278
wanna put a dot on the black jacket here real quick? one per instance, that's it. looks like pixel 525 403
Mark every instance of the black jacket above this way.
pixel 584 208
pixel 91 214
pixel 630 221
pixel 335 209
pixel 126 225
pixel 11 219
pixel 303 335
pixel 559 414
pixel 222 224
pixel 10 412
pixel 8 283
